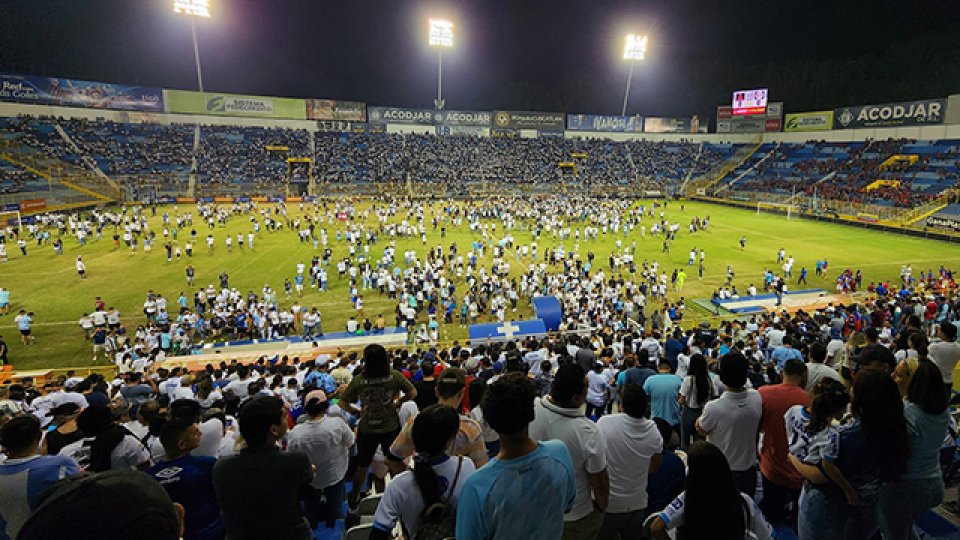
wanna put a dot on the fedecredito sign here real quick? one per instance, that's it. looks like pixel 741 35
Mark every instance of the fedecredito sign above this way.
pixel 809 121
pixel 182 101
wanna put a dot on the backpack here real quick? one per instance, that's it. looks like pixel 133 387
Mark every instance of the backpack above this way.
pixel 439 520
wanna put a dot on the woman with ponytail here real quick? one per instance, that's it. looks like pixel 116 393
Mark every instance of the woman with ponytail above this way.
pixel 871 450
pixel 427 495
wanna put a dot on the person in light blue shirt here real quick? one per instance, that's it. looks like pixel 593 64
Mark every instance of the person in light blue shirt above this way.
pixel 25 474
pixel 787 352
pixel 524 491
pixel 664 391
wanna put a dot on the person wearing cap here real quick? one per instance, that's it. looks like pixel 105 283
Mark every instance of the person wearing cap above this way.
pixel 946 353
pixel 25 474
pixel 65 418
pixel 85 506
pixel 188 479
pixel 326 440
pixel 450 388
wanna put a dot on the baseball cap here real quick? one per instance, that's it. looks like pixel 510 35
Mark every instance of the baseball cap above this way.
pixel 64 409
pixel 452 377
pixel 319 395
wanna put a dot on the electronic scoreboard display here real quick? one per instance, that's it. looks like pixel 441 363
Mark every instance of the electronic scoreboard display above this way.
pixel 750 102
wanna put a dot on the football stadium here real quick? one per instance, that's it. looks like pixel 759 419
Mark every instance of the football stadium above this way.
pixel 263 282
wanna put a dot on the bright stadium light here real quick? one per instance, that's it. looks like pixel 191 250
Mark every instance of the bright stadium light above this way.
pixel 441 37
pixel 441 33
pixel 196 8
pixel 634 49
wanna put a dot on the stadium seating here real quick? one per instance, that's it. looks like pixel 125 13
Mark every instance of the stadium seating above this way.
pixel 160 156
pixel 845 171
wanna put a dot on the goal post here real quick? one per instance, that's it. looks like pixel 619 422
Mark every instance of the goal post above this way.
pixel 777 207
pixel 11 217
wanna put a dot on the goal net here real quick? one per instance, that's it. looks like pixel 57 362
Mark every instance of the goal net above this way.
pixel 787 209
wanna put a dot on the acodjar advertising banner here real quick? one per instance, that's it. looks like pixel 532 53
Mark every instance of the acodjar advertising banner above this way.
pixel 399 115
pixel 907 113
pixel 464 118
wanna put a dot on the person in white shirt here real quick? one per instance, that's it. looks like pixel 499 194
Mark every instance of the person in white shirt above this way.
pixel 732 420
pixel 816 369
pixel 92 453
pixel 710 506
pixel 633 447
pixel 436 477
pixel 326 440
pixel 560 416
pixel 241 387
pixel 946 352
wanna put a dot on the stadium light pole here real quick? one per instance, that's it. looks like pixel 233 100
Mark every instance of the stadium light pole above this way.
pixel 634 49
pixel 441 37
pixel 194 9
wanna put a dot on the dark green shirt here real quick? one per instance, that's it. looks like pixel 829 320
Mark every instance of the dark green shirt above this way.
pixel 377 399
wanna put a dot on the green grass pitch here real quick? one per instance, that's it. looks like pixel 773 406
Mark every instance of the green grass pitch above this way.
pixel 49 286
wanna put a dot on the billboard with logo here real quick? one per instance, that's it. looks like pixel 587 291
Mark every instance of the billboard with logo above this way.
pixel 528 120
pixel 809 121
pixel 182 101
pixel 655 124
pixel 400 115
pixel 74 93
pixel 464 118
pixel 907 113
pixel 598 122
pixel 334 109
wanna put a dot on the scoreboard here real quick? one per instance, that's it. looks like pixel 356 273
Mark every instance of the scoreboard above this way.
pixel 747 102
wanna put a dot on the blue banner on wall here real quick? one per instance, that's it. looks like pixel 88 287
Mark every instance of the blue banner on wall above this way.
pixel 600 122
pixel 74 93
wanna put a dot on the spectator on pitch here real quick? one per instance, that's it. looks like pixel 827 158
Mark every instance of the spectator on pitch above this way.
pixel 426 497
pixel 633 446
pixel 560 416
pixel 262 477
pixel 525 475
pixel 25 474
pixel 188 480
pixel 326 440
pixel 731 421
pixel 781 481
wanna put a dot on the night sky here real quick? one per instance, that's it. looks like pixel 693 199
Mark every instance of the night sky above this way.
pixel 558 55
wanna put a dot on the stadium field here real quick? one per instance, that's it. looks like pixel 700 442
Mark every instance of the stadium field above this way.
pixel 48 285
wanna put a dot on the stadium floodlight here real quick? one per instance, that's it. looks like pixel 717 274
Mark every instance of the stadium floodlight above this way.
pixel 634 49
pixel 194 8
pixel 441 37
pixel 441 33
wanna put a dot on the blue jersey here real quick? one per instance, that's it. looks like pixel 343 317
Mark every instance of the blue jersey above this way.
pixel 496 500
pixel 189 481
pixel 22 481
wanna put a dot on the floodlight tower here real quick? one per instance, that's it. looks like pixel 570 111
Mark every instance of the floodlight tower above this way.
pixel 634 50
pixel 441 37
pixel 194 9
